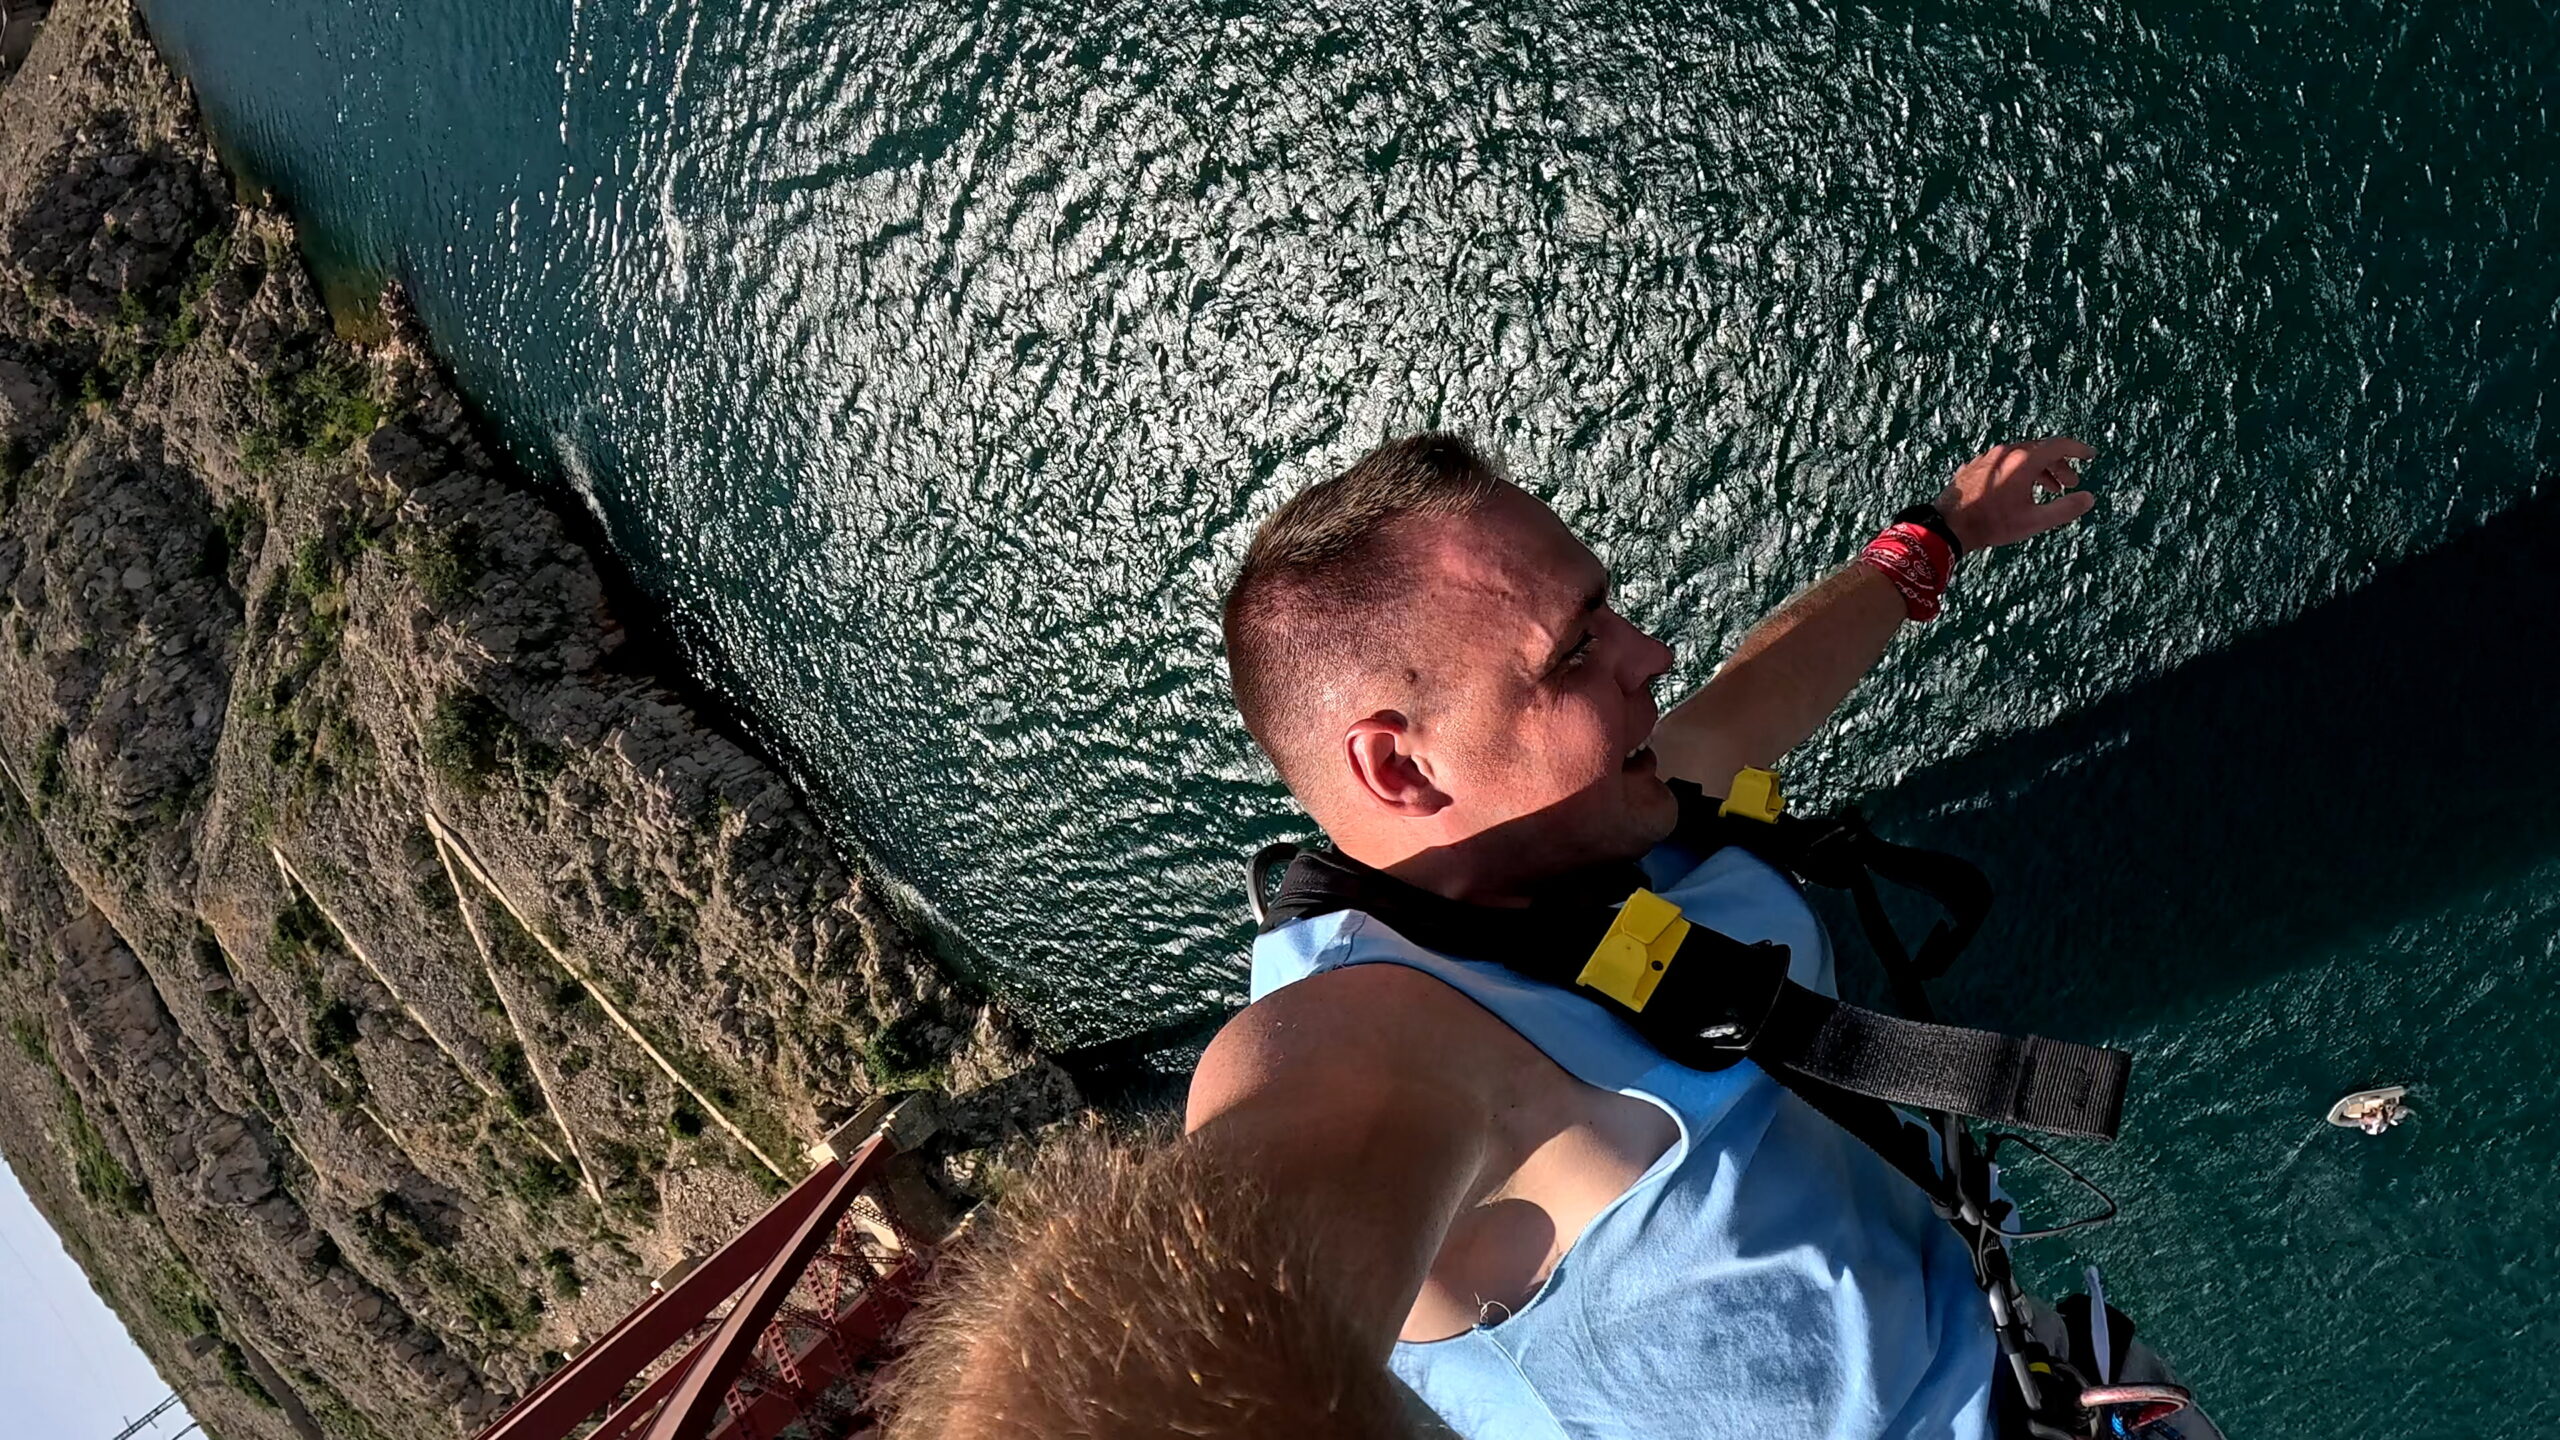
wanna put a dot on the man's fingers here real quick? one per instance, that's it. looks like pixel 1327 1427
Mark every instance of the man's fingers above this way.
pixel 2043 455
pixel 2035 460
pixel 2062 510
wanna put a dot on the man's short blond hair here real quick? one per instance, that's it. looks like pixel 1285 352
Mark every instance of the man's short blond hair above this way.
pixel 1132 1290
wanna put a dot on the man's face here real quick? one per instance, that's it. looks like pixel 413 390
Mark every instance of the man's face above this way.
pixel 1542 697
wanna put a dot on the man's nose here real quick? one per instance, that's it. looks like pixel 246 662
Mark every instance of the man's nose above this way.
pixel 1653 655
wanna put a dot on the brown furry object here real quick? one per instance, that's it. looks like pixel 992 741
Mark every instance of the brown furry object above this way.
pixel 1128 1289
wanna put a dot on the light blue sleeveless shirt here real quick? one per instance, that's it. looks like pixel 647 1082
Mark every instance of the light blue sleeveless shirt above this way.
pixel 1768 1277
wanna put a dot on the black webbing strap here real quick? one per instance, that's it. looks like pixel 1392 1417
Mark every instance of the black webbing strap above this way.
pixel 1720 1001
pixel 2051 1085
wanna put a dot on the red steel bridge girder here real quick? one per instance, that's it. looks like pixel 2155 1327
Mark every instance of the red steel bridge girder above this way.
pixel 777 1354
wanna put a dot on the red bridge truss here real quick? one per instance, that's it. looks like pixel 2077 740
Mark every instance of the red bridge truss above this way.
pixel 813 1289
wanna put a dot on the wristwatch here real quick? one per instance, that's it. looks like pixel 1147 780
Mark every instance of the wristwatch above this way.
pixel 1929 518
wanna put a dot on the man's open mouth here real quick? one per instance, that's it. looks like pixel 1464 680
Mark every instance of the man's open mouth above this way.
pixel 1638 758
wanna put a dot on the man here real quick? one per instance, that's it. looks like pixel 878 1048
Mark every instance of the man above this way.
pixel 1397 1159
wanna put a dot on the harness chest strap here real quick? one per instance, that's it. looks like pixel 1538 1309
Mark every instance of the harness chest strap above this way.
pixel 1707 1000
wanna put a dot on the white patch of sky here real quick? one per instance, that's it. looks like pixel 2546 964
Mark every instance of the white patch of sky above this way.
pixel 67 1367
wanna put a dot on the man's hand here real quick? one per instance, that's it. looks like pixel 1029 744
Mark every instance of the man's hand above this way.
pixel 1994 499
pixel 1795 667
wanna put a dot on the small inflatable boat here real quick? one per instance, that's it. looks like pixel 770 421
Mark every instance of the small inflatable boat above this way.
pixel 2372 1111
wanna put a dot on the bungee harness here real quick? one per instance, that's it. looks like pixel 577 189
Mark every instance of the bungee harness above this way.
pixel 1707 1001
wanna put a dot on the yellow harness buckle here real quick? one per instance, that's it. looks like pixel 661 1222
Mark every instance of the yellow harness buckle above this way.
pixel 1630 958
pixel 1755 796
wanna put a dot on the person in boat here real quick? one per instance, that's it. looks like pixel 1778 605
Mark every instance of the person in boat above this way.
pixel 1397 1162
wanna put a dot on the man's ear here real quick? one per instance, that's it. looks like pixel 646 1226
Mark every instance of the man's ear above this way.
pixel 1380 749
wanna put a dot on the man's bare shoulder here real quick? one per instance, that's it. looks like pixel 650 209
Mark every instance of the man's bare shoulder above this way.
pixel 1351 1037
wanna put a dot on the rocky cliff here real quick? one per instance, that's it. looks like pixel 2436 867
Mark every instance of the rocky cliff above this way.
pixel 398 970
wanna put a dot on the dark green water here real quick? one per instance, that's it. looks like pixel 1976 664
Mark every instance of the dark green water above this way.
pixel 932 362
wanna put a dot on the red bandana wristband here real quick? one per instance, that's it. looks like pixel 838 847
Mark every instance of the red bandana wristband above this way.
pixel 1918 563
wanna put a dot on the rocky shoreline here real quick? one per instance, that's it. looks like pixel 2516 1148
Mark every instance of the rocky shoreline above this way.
pixel 398 969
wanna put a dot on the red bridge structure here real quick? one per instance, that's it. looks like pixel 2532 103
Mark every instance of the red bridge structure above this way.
pixel 814 1290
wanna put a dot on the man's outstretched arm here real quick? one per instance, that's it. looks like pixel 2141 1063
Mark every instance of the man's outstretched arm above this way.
pixel 1795 667
pixel 1247 1281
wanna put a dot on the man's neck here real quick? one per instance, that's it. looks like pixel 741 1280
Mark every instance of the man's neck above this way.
pixel 1450 874
pixel 1457 872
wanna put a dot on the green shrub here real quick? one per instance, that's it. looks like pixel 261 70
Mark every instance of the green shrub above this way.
pixel 212 252
pixel 634 1196
pixel 484 997
pixel 616 1162
pixel 563 1270
pixel 391 1233
pixel 123 356
pixel 30 1037
pixel 334 1030
pixel 900 1056
pixel 177 1296
pixel 301 933
pixel 288 748
pixel 620 898
pixel 514 1074
pixel 686 1120
pixel 672 934
pixel 463 738
pixel 236 1373
pixel 487 1308
pixel 469 741
pixel 446 564
pixel 315 569
pixel 260 449
pixel 49 766
pixel 324 407
pixel 96 1172
pixel 537 765
pixel 172 806
pixel 243 526
pixel 338 1419
pixel 539 1181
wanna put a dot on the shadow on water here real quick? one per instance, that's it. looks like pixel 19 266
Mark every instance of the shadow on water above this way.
pixel 2372 760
